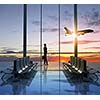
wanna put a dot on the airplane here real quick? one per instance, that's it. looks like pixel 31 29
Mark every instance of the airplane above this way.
pixel 80 32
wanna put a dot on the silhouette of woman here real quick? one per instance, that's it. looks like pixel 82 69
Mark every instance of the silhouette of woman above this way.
pixel 45 55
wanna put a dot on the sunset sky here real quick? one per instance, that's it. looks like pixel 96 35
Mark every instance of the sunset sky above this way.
pixel 11 19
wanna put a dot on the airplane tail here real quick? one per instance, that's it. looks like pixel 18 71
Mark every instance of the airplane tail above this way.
pixel 67 31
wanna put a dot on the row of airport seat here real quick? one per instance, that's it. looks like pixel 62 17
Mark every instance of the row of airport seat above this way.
pixel 75 65
pixel 24 65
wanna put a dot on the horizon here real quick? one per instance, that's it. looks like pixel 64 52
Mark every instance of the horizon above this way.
pixel 53 57
pixel 11 30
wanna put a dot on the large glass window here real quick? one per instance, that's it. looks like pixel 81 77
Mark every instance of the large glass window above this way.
pixel 89 18
pixel 10 32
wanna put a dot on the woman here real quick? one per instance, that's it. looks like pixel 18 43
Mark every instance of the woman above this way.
pixel 45 55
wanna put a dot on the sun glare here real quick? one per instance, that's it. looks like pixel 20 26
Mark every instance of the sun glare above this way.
pixel 74 35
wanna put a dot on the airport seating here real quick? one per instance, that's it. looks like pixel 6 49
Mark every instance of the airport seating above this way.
pixel 75 65
pixel 23 65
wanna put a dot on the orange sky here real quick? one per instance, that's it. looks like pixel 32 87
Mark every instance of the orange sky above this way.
pixel 92 57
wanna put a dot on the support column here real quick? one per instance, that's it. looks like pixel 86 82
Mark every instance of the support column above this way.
pixel 59 45
pixel 75 30
pixel 24 30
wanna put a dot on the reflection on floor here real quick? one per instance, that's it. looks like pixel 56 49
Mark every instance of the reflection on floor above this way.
pixel 49 83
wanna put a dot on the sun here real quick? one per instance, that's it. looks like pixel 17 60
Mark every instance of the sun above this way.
pixel 74 35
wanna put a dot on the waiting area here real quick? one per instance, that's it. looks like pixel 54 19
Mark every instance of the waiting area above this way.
pixel 75 65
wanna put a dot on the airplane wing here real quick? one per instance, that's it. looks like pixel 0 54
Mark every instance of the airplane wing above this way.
pixel 67 31
pixel 82 32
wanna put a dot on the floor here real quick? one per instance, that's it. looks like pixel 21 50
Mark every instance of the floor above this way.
pixel 49 82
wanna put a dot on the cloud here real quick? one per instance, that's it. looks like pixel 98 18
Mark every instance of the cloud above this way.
pixel 50 29
pixel 7 50
pixel 92 18
pixel 33 45
pixel 67 15
pixel 88 41
pixel 35 22
pixel 10 52
pixel 52 17
pixel 92 57
pixel 81 41
pixel 67 42
pixel 98 48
